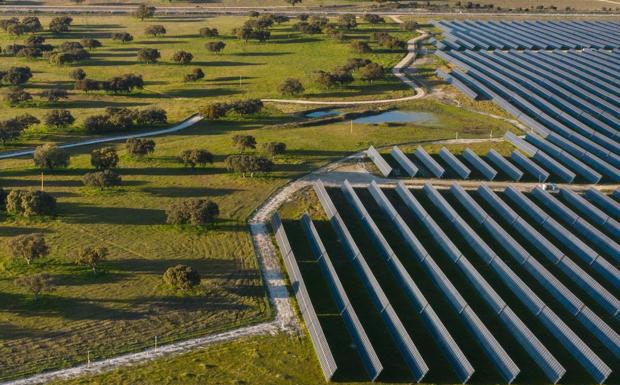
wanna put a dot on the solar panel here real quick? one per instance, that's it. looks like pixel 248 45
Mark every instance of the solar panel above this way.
pixel 401 338
pixel 458 166
pixel 582 353
pixel 604 202
pixel 554 255
pixel 404 162
pixel 429 162
pixel 593 213
pixel 378 160
pixel 479 164
pixel 578 224
pixel 364 347
pixel 321 347
pixel 583 251
pixel 507 367
pixel 461 365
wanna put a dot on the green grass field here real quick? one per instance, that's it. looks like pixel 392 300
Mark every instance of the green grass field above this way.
pixel 126 305
pixel 242 70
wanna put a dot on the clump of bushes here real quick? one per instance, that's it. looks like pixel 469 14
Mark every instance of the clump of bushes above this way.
pixel 274 148
pixel 197 212
pixel 102 179
pixel 242 107
pixel 138 147
pixel 248 164
pixel 123 119
pixel 118 84
pixel 195 157
pixel 104 158
pixel 11 129
pixel 30 203
pixel 28 247
pixel 50 156
pixel 181 277
pixel 196 74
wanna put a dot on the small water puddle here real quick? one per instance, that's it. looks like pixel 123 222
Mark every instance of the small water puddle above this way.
pixel 322 113
pixel 396 116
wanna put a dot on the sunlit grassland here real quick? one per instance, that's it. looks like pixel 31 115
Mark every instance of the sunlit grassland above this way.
pixel 242 70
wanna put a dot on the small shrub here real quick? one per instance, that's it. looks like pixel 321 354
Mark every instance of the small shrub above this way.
pixel 35 284
pixel 148 55
pixel 50 156
pixel 91 257
pixel 181 277
pixel 104 158
pixel 138 147
pixel 244 164
pixel 196 74
pixel 59 118
pixel 182 57
pixel 30 203
pixel 197 212
pixel 28 247
pixel 192 158
pixel 102 179
pixel 274 148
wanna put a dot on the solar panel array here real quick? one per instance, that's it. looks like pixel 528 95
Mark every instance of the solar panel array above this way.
pixel 401 337
pixel 569 99
pixel 321 347
pixel 583 236
pixel 367 353
pixel 378 160
pixel 489 35
pixel 455 355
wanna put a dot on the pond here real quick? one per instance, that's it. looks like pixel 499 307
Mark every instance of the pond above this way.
pixel 396 116
pixel 322 113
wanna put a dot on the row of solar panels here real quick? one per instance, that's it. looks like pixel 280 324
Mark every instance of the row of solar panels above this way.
pixel 557 113
pixel 573 343
pixel 541 162
pixel 596 149
pixel 471 34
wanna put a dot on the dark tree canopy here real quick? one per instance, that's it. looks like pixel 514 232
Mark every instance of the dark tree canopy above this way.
pixel 17 95
pixel 91 43
pixel 244 164
pixel 78 74
pixel 193 158
pixel 28 247
pixel 373 18
pixel 104 158
pixel 123 37
pixel 91 256
pixel 16 76
pixel 244 142
pixel 35 284
pixel 293 2
pixel 182 57
pixel 409 25
pixel 59 118
pixel 291 87
pixel 347 21
pixel 195 75
pixel 102 179
pixel 11 129
pixel 139 147
pixel 197 212
pixel 30 203
pixel 54 94
pixel 274 148
pixel 209 32
pixel 144 11
pixel 371 72
pixel 60 24
pixel 49 156
pixel 155 30
pixel 181 277
pixel 148 55
pixel 215 46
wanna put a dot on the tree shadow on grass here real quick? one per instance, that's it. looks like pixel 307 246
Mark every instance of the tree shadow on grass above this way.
pixel 12 231
pixel 229 79
pixel 202 92
pixel 155 42
pixel 14 332
pixel 67 307
pixel 188 192
pixel 90 214
pixel 224 63
pixel 259 54
pixel 109 63
pixel 99 104
pixel 292 40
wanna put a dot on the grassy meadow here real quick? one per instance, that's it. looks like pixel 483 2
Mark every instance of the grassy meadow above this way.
pixel 242 70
